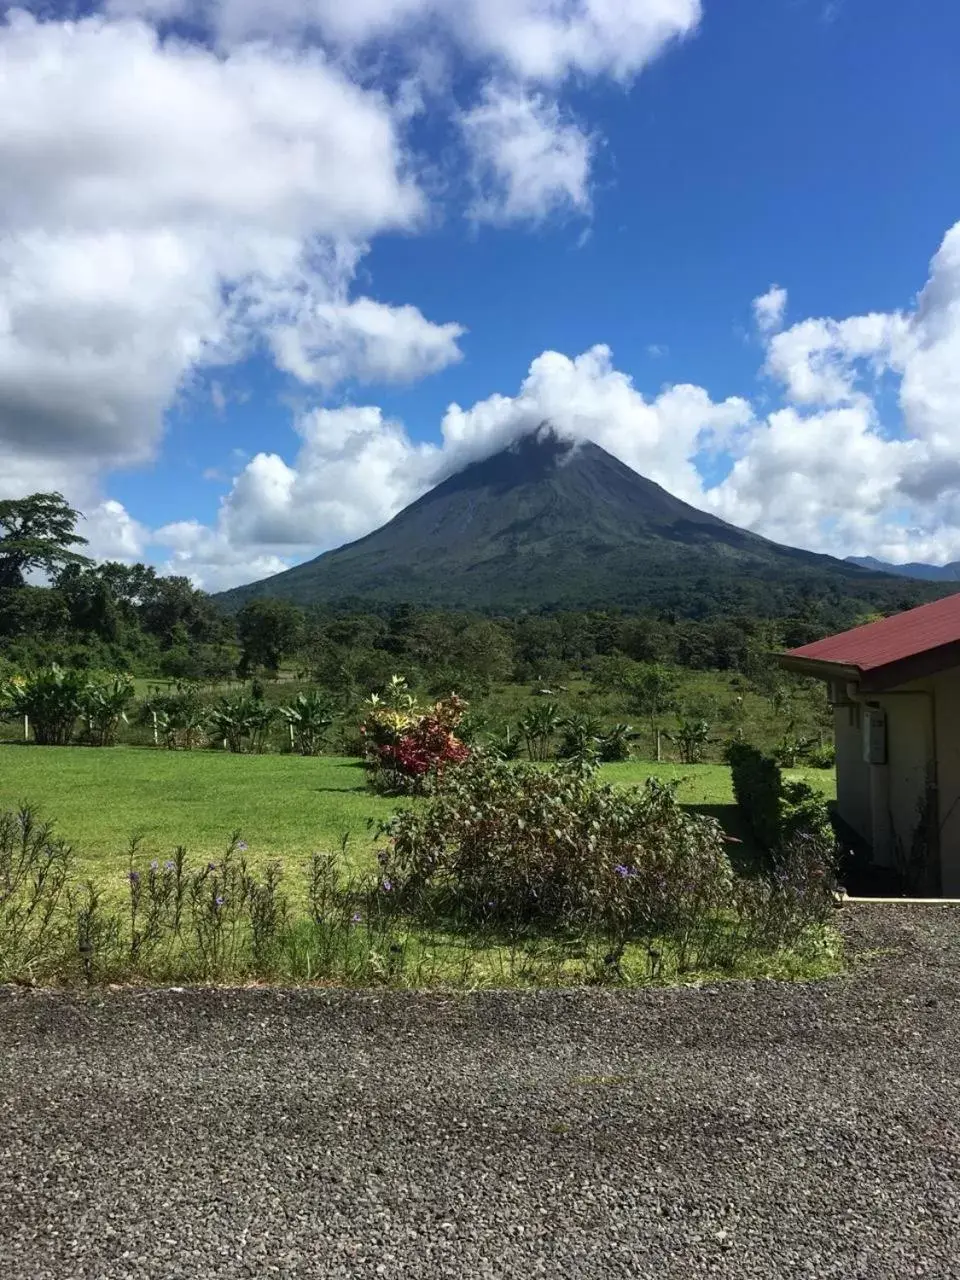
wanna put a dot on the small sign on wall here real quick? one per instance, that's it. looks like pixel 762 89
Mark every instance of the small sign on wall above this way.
pixel 874 735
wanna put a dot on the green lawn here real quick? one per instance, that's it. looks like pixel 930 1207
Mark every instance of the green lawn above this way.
pixel 284 806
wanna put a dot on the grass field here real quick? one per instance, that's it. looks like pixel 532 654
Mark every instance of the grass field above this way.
pixel 284 806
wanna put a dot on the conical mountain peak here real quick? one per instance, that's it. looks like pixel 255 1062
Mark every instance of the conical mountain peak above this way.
pixel 547 522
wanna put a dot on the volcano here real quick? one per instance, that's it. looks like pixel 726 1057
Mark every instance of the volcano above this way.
pixel 546 524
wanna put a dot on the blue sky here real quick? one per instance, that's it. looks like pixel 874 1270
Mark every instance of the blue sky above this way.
pixel 569 199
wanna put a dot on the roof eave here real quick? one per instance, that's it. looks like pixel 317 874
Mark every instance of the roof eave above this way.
pixel 818 667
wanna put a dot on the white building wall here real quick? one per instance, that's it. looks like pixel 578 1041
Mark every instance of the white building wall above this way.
pixel 883 802
pixel 853 774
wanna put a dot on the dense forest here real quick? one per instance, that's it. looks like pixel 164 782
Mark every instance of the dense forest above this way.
pixel 115 616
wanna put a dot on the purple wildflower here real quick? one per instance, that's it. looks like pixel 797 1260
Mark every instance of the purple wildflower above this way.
pixel 134 877
pixel 624 872
pixel 211 866
pixel 387 886
pixel 169 866
pixel 218 901
pixel 154 865
pixel 357 918
pixel 242 846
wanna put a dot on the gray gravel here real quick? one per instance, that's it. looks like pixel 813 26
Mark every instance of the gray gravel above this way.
pixel 751 1129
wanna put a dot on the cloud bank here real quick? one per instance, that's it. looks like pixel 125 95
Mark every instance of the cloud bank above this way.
pixel 825 470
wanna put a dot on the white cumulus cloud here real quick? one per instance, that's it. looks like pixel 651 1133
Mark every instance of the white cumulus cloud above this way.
pixel 830 470
pixel 329 342
pixel 536 39
pixel 529 160
pixel 769 309
pixel 162 205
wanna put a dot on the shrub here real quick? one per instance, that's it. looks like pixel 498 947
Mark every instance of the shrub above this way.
pixel 310 716
pixel 803 811
pixel 670 905
pixel 581 738
pixel 776 812
pixel 418 759
pixel 616 743
pixel 824 757
pixel 407 748
pixel 756 787
pixel 791 751
pixel 557 848
pixel 796 895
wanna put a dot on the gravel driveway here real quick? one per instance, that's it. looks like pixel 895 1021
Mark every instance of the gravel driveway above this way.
pixel 751 1129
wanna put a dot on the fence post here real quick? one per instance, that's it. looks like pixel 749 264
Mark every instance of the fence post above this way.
pixel 291 736
pixel 26 728
pixel 155 737
pixel 659 748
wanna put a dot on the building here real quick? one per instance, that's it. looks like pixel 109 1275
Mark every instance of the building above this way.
pixel 895 689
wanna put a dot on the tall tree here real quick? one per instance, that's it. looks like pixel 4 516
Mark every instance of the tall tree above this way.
pixel 268 629
pixel 37 532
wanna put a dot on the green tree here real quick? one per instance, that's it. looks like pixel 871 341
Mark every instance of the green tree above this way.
pixel 37 532
pixel 652 692
pixel 268 630
pixel 483 650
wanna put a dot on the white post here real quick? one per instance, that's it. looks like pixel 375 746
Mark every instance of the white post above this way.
pixel 659 751
pixel 26 728
pixel 291 737
pixel 156 738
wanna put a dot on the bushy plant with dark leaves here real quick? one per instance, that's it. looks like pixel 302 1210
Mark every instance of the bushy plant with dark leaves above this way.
pixel 557 848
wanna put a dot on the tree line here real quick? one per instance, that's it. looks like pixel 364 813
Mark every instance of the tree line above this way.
pixel 57 605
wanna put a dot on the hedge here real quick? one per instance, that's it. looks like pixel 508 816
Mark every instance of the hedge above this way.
pixel 774 810
pixel 757 788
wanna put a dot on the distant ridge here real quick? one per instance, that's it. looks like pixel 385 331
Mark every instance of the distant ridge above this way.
pixel 545 524
pixel 926 572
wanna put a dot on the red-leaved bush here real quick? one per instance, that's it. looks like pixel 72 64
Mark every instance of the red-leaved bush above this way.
pixel 409 750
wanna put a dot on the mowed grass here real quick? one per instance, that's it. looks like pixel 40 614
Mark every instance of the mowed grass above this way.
pixel 284 806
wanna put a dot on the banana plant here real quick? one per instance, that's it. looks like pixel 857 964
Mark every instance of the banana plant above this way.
pixel 581 737
pixel 616 743
pixel 105 708
pixel 537 729
pixel 52 699
pixel 310 717
pixel 244 723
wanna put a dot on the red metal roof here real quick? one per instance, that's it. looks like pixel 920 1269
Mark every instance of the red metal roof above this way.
pixel 878 644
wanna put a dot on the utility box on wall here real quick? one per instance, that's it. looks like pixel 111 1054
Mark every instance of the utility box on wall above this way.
pixel 874 735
